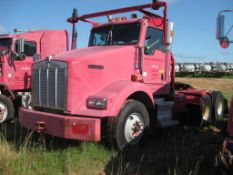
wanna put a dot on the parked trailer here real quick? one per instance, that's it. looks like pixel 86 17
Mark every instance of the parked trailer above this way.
pixel 188 68
pixel 178 68
pixel 221 68
pixel 17 54
pixel 230 68
pixel 224 158
pixel 115 89
pixel 205 68
pixel 197 67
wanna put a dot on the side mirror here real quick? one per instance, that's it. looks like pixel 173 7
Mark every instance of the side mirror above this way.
pixel 147 50
pixel 18 54
pixel 220 27
pixel 170 33
pixel 21 46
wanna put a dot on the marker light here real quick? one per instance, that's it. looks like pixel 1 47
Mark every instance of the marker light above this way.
pixel 117 19
pixel 97 103
pixel 123 18
pixel 134 15
pixel 135 78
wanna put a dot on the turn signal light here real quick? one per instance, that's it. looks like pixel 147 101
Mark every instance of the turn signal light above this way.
pixel 135 77
pixel 124 18
pixel 97 103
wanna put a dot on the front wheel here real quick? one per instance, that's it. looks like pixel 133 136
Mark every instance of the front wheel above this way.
pixel 131 124
pixel 6 109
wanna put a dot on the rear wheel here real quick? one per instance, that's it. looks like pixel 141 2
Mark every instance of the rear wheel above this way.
pixel 131 124
pixel 6 109
pixel 206 108
pixel 218 105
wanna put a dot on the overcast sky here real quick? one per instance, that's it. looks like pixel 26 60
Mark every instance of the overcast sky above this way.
pixel 195 22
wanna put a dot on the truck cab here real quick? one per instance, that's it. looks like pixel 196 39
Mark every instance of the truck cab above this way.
pixel 116 88
pixel 129 40
pixel 17 53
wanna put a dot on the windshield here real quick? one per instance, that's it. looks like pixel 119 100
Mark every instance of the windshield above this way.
pixel 5 42
pixel 118 34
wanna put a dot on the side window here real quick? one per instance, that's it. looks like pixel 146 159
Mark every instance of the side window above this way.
pixel 153 41
pixel 29 48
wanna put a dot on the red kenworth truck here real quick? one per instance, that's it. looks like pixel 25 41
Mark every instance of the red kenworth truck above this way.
pixel 118 87
pixel 17 53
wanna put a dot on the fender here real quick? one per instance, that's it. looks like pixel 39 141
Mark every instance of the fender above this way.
pixel 193 96
pixel 126 89
pixel 116 93
pixel 4 87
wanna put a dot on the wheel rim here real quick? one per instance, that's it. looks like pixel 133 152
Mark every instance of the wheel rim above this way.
pixel 205 112
pixel 3 112
pixel 134 127
pixel 220 107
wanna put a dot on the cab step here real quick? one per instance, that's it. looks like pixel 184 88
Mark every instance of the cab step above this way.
pixel 164 112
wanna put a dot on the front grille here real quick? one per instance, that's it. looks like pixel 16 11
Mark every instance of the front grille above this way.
pixel 49 85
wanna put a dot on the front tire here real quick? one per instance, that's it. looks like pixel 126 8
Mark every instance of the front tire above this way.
pixel 131 124
pixel 6 109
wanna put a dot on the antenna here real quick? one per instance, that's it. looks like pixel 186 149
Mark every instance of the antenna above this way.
pixel 20 31
pixel 74 31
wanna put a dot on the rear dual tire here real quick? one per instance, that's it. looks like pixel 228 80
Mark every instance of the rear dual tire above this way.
pixel 212 110
pixel 218 105
pixel 206 108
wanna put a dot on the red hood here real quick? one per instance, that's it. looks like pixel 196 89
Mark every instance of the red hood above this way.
pixel 92 52
pixel 84 81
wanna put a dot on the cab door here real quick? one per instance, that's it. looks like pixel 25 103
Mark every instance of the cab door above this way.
pixel 22 68
pixel 156 63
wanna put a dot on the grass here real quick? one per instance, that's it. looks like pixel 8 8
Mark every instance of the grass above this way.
pixel 180 150
pixel 176 150
pixel 36 158
pixel 204 75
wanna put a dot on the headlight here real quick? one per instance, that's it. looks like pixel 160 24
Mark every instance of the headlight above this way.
pixel 97 103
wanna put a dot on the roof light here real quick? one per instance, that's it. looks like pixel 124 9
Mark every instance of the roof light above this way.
pixel 123 18
pixel 109 18
pixel 134 15
pixel 117 19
